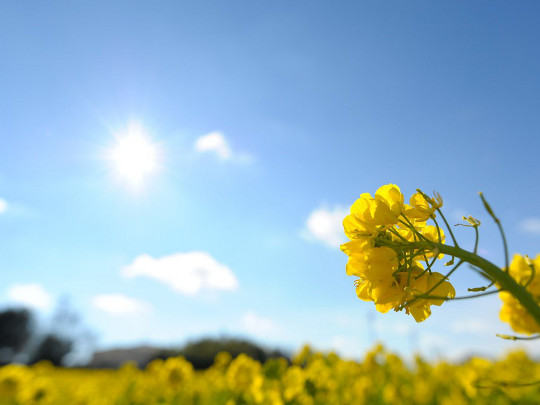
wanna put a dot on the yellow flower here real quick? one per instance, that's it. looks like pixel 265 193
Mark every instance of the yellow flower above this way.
pixel 381 211
pixel 423 208
pixel 177 370
pixel 375 268
pixel 391 195
pixel 356 247
pixel 406 232
pixel 384 295
pixel 293 382
pixel 38 391
pixel 373 264
pixel 377 283
pixel 431 233
pixel 385 278
pixel 420 309
pixel 512 311
pixel 244 374
pixel 369 216
pixel 521 271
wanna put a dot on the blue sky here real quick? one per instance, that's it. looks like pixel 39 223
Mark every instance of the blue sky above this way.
pixel 264 114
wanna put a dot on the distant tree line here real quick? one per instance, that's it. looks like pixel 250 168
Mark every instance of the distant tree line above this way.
pixel 22 341
pixel 201 353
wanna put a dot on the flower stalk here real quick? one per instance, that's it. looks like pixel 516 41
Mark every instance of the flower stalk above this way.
pixel 393 251
pixel 501 277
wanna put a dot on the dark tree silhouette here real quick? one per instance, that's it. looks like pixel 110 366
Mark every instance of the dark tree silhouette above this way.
pixel 201 353
pixel 52 348
pixel 15 332
pixel 22 341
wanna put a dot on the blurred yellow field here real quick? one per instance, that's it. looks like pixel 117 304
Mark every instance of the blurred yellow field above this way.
pixel 312 378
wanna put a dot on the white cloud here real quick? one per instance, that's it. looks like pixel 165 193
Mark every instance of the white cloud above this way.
pixel 3 205
pixel 118 304
pixel 32 295
pixel 530 225
pixel 215 142
pixel 260 326
pixel 187 273
pixel 326 225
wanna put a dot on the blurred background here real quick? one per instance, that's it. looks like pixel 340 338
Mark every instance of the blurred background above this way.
pixel 175 173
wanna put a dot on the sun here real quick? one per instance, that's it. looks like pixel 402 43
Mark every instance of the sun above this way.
pixel 134 156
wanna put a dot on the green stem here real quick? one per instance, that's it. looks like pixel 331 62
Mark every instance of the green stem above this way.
pixel 502 278
pixel 533 273
pixel 499 225
pixel 463 297
pixel 438 229
pixel 475 240
pixel 448 227
pixel 511 337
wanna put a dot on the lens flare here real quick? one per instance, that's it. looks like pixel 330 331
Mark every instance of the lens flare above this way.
pixel 134 156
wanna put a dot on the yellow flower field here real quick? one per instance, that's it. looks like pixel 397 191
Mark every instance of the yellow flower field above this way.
pixel 312 378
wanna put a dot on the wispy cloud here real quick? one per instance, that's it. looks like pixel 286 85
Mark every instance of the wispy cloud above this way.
pixel 216 143
pixel 326 225
pixel 186 273
pixel 530 225
pixel 31 295
pixel 3 205
pixel 260 326
pixel 118 304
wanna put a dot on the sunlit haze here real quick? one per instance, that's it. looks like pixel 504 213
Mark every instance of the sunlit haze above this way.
pixel 134 156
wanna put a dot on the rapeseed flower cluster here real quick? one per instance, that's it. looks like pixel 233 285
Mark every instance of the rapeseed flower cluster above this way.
pixel 312 379
pixel 392 251
pixel 523 270
pixel 389 273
